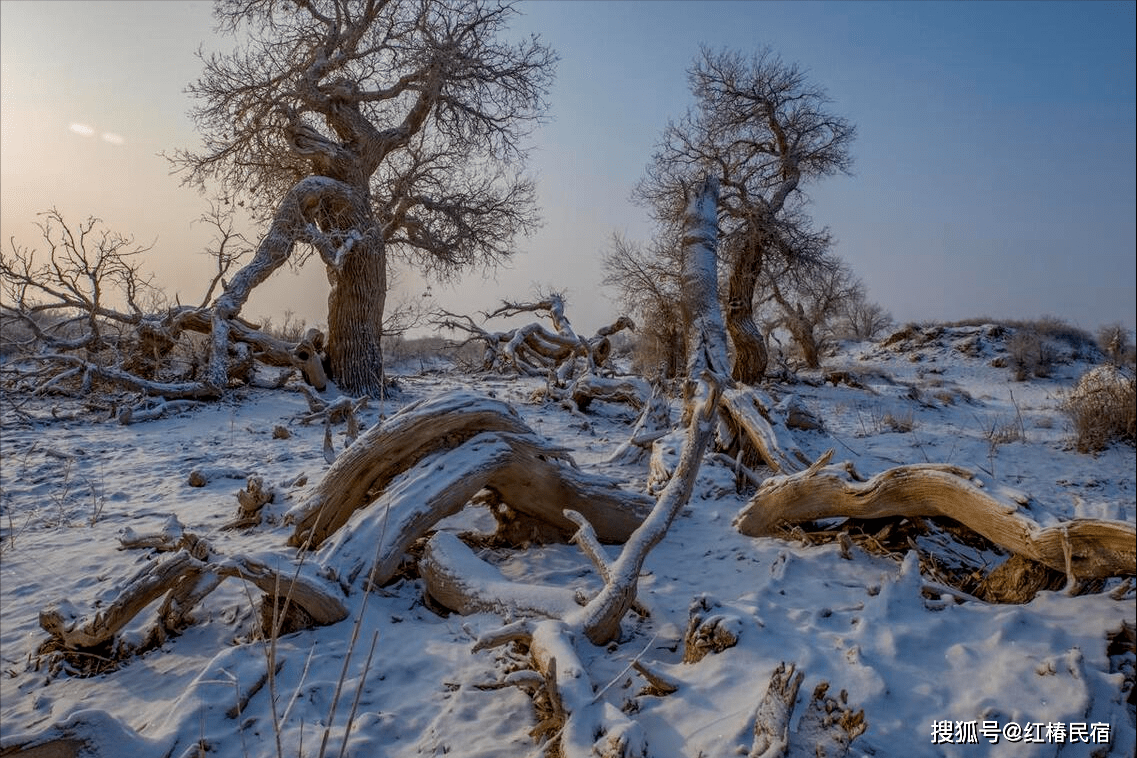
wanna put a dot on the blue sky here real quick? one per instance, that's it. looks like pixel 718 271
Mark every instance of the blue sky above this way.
pixel 994 165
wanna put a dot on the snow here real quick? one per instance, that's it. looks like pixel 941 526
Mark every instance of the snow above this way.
pixel 70 488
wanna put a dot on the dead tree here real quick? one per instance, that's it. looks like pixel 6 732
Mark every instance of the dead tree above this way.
pixel 585 724
pixel 534 350
pixel 1081 548
pixel 767 131
pixel 85 314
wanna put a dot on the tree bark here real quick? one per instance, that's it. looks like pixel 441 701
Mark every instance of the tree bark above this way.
pixel 1082 548
pixel 355 318
pixel 750 356
pixel 802 329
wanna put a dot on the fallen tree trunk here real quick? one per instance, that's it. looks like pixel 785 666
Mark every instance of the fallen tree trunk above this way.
pixel 1082 548
pixel 362 471
pixel 523 472
pixel 179 575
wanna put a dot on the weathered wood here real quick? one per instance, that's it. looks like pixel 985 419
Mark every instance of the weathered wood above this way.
pixel 464 583
pixel 520 468
pixel 628 389
pixel 375 539
pixel 772 719
pixel 827 728
pixel 706 371
pixel 188 581
pixel 1096 548
pixel 74 631
pixel 750 410
pixel 592 726
pixel 362 471
pixel 654 422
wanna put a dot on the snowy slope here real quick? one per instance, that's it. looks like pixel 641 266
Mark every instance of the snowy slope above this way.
pixel 69 487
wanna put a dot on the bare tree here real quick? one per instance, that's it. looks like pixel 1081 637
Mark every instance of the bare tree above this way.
pixel 648 284
pixel 359 129
pixel 1114 340
pixel 84 311
pixel 765 131
pixel 808 299
pixel 78 304
pixel 861 318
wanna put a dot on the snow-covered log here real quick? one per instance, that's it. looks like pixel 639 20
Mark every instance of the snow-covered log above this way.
pixel 1081 548
pixel 521 469
pixel 179 574
pixel 627 389
pixel 461 581
pixel 531 476
pixel 362 471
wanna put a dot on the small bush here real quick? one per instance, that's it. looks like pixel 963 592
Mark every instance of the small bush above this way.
pixel 1103 409
pixel 1029 354
pixel 1114 341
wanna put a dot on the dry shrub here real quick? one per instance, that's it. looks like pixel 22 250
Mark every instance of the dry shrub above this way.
pixel 1114 341
pixel 901 422
pixel 1030 353
pixel 1103 409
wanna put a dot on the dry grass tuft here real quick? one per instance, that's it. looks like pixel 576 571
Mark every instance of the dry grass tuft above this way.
pixel 1103 409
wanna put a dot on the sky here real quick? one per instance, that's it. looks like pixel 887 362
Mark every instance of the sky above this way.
pixel 994 165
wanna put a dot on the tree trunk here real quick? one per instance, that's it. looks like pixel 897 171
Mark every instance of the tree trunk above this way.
pixel 355 319
pixel 802 329
pixel 750 356
pixel 1082 548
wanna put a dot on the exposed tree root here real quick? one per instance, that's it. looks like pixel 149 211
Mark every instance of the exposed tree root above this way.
pixel 1080 549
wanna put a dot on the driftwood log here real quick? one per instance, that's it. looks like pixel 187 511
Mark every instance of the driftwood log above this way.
pixel 1081 548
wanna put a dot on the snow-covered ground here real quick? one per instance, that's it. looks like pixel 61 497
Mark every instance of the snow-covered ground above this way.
pixel 926 673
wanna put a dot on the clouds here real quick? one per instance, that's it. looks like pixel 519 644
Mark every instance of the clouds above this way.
pixel 85 130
